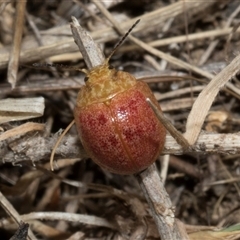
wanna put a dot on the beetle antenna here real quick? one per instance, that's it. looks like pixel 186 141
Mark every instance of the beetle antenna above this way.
pixel 58 142
pixel 122 40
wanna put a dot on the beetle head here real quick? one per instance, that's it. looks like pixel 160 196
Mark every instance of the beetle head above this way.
pixel 105 71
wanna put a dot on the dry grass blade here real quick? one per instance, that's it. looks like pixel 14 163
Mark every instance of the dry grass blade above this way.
pixel 78 218
pixel 15 53
pixel 205 99
pixel 184 38
pixel 69 217
pixel 22 129
pixel 16 109
pixel 216 235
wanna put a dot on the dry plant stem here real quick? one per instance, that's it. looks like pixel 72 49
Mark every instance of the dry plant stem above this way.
pixel 180 139
pixel 164 220
pixel 40 147
pixel 92 55
pixel 159 203
pixel 49 84
pixel 7 206
pixel 15 52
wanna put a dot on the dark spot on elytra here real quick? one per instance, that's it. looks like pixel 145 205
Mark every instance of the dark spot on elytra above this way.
pixel 102 119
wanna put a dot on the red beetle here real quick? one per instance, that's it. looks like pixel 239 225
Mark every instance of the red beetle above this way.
pixel 117 127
